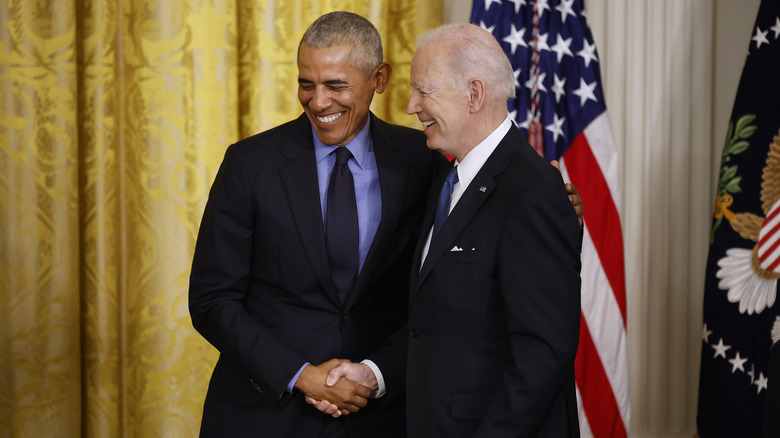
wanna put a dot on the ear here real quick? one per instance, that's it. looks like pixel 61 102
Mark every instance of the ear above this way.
pixel 382 77
pixel 476 94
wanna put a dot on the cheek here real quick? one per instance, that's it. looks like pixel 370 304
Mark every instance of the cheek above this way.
pixel 303 97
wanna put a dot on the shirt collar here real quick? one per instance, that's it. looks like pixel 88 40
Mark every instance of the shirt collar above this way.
pixel 476 158
pixel 360 146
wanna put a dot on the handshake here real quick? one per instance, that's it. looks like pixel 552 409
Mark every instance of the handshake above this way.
pixel 337 387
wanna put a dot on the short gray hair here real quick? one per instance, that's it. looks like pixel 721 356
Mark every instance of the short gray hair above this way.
pixel 346 28
pixel 473 52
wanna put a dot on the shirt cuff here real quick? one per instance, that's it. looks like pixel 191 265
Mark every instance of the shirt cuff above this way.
pixel 381 390
pixel 291 385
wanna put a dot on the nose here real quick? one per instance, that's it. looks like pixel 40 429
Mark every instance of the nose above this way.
pixel 321 99
pixel 413 107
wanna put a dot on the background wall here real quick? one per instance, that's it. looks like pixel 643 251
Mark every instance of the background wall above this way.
pixel 670 72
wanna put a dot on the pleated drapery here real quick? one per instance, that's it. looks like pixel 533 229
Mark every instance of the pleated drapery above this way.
pixel 114 116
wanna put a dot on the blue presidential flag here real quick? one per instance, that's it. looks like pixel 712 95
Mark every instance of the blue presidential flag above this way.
pixel 741 314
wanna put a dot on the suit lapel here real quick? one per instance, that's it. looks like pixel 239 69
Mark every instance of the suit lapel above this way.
pixel 479 190
pixel 392 182
pixel 427 223
pixel 299 179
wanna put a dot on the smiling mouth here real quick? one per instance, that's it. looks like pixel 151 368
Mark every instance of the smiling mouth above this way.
pixel 330 118
pixel 428 123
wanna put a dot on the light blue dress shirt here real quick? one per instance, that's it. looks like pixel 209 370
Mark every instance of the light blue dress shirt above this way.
pixel 367 191
pixel 366 176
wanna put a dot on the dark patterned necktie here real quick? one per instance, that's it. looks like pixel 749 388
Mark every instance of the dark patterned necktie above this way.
pixel 445 197
pixel 342 225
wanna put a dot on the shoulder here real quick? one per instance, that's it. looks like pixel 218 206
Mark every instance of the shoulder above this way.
pixel 296 131
pixel 518 166
pixel 408 143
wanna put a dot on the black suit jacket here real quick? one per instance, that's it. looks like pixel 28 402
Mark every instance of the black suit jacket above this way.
pixel 495 309
pixel 261 291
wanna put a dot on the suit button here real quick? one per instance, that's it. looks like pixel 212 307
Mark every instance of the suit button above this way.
pixel 415 333
pixel 346 316
pixel 257 386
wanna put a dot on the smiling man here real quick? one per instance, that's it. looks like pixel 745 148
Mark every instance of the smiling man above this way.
pixel 305 249
pixel 494 303
pixel 495 297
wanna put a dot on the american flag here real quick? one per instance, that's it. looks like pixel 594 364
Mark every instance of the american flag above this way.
pixel 560 107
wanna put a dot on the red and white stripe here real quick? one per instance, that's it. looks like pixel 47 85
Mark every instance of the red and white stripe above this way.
pixel 601 366
pixel 535 134
pixel 769 241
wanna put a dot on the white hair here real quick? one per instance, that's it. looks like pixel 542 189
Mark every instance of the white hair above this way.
pixel 473 53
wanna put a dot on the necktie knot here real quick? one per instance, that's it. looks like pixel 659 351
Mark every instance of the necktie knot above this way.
pixel 452 177
pixel 342 155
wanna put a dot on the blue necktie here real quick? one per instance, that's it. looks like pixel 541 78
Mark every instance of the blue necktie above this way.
pixel 341 235
pixel 445 196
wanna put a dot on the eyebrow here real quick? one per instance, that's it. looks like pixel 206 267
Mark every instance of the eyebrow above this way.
pixel 328 82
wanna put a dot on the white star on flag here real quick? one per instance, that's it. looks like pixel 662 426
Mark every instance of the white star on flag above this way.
pixel 705 334
pixel 527 120
pixel 761 383
pixel 490 2
pixel 556 127
pixel 561 47
pixel 557 87
pixel 588 53
pixel 515 38
pixel 542 76
pixel 518 3
pixel 541 5
pixel 776 27
pixel 585 92
pixel 542 43
pixel 484 26
pixel 760 37
pixel 720 349
pixel 517 77
pixel 737 363
pixel 565 8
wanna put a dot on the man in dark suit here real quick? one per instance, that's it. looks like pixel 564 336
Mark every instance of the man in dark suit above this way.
pixel 275 288
pixel 494 305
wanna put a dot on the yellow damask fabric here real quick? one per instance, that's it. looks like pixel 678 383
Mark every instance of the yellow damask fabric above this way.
pixel 114 116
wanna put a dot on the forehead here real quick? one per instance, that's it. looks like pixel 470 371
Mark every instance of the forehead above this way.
pixel 325 62
pixel 429 66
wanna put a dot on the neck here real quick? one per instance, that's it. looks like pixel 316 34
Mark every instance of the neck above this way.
pixel 483 125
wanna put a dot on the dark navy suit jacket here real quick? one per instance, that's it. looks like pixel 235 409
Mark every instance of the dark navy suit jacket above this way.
pixel 495 309
pixel 261 290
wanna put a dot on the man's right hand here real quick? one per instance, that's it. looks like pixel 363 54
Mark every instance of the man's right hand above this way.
pixel 355 372
pixel 347 395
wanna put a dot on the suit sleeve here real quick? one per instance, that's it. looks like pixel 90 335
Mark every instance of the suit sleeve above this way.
pixel 538 270
pixel 220 277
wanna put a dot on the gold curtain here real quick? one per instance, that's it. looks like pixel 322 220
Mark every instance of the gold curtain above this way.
pixel 114 116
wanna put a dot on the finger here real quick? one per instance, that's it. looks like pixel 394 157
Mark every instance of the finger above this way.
pixel 325 406
pixel 311 401
pixel 363 391
pixel 336 374
pixel 556 164
pixel 336 414
pixel 358 401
